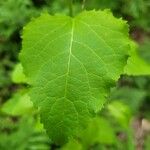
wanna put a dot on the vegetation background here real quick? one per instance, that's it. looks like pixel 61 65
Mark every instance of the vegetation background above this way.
pixel 123 123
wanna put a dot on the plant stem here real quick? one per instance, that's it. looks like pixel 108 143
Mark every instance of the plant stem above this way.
pixel 71 7
pixel 83 4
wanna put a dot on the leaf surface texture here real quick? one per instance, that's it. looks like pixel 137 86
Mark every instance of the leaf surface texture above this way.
pixel 71 64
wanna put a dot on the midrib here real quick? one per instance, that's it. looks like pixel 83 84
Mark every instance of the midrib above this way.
pixel 69 57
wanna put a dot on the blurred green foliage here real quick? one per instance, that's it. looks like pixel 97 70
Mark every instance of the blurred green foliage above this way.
pixel 22 134
pixel 112 129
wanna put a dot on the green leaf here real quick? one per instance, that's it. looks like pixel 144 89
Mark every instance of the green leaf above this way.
pixel 136 65
pixel 72 63
pixel 22 135
pixel 17 75
pixel 72 145
pixel 121 112
pixel 19 104
pixel 100 131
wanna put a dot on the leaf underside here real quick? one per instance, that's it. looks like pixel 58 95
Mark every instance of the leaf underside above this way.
pixel 71 64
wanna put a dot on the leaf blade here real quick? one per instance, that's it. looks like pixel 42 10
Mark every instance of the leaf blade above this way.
pixel 72 67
